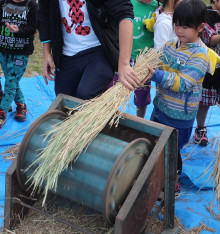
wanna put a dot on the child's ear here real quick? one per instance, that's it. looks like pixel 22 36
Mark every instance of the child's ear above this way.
pixel 201 27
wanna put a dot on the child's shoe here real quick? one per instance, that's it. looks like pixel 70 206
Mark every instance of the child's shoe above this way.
pixel 177 190
pixel 2 118
pixel 200 136
pixel 21 112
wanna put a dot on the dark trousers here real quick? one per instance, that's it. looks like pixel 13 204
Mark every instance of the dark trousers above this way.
pixel 183 138
pixel 84 75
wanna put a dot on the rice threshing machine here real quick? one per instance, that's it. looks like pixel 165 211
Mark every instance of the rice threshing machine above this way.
pixel 122 174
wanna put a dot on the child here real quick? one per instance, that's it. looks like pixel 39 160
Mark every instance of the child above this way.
pixel 211 83
pixel 163 28
pixel 142 38
pixel 184 65
pixel 18 25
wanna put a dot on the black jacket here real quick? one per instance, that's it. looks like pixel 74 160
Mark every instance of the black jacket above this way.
pixel 105 16
pixel 24 15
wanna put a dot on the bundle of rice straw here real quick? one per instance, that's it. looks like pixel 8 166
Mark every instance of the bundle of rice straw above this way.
pixel 74 135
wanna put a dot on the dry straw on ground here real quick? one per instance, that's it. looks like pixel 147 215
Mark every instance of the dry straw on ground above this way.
pixel 11 152
pixel 73 136
pixel 75 214
pixel 216 171
pixel 87 220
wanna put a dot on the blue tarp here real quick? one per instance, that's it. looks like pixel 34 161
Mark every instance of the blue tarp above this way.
pixel 193 206
pixel 38 99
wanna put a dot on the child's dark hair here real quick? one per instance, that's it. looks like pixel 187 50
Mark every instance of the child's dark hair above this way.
pixel 164 2
pixel 190 13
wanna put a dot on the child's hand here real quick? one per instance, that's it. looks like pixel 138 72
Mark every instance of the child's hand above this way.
pixel 150 75
pixel 12 28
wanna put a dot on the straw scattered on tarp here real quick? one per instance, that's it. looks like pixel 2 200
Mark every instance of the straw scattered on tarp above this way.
pixel 11 152
pixel 216 171
pixel 214 168
pixel 200 228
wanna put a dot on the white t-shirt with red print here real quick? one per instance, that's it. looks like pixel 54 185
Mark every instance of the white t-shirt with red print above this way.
pixel 77 30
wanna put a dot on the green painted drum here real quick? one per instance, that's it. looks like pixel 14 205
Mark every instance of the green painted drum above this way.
pixel 102 176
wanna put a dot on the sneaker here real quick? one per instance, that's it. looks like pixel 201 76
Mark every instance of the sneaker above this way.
pixel 177 190
pixel 2 118
pixel 1 96
pixel 200 136
pixel 21 112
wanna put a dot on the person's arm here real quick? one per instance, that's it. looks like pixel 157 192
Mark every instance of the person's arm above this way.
pixel 48 65
pixel 122 13
pixel 193 71
pixel 43 25
pixel 43 20
pixel 127 76
pixel 215 40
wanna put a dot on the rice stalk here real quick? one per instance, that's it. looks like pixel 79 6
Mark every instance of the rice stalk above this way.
pixel 216 175
pixel 11 152
pixel 73 136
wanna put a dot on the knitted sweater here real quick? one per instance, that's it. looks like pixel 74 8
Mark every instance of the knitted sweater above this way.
pixel 22 14
pixel 179 83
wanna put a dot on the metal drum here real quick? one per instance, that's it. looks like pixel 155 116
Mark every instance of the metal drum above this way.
pixel 102 176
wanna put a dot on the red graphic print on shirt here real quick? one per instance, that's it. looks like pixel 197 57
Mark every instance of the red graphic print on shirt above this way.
pixel 77 18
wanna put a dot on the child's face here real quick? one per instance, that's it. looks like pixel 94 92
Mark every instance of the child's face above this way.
pixel 216 5
pixel 188 35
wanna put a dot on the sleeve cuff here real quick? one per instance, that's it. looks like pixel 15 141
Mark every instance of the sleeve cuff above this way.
pixel 128 19
pixel 158 76
pixel 46 41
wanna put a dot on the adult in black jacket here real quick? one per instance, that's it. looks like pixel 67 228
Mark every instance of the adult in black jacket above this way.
pixel 89 41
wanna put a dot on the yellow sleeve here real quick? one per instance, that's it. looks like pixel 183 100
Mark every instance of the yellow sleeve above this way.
pixel 214 59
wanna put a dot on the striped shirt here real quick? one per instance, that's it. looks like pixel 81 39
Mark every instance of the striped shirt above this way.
pixel 179 82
